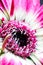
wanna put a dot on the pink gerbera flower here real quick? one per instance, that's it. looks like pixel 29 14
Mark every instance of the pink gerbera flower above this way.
pixel 21 31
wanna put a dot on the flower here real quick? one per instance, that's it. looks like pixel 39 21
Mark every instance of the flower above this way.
pixel 22 29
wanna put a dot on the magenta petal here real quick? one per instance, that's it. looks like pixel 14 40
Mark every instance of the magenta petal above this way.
pixel 11 62
pixel 2 6
pixel 3 61
pixel 10 59
pixel 12 8
pixel 36 4
pixel 27 4
pixel 5 3
pixel 39 16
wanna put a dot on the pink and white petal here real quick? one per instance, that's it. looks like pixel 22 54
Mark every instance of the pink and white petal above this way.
pixel 39 16
pixel 39 37
pixel 24 6
pixel 39 56
pixel 39 47
pixel 12 62
pixel 39 32
pixel 5 7
pixel 0 42
pixel 2 5
pixel 2 15
pixel 34 58
pixel 27 5
pixel 36 5
pixel 14 7
pixel 20 9
pixel 19 14
pixel 17 60
pixel 6 4
pixel 3 61
pixel 34 20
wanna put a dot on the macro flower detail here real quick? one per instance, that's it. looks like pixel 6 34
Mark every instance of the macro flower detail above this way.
pixel 21 31
pixel 18 9
pixel 22 41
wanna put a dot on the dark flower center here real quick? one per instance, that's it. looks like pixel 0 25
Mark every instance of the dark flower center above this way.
pixel 21 41
pixel 20 37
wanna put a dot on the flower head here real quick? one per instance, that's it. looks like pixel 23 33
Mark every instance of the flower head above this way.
pixel 22 32
pixel 22 40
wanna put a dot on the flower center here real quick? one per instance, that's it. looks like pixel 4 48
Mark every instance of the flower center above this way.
pixel 22 41
pixel 21 37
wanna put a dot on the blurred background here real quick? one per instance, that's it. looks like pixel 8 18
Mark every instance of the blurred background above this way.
pixel 41 1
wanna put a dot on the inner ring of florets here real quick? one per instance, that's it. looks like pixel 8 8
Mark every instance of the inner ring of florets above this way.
pixel 21 37
pixel 22 41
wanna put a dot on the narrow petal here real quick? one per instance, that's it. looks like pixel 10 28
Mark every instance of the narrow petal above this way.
pixel 12 8
pixel 2 5
pixel 39 16
pixel 39 56
pixel 34 19
pixel 36 5
pixel 39 32
pixel 5 4
pixel 20 7
pixel 36 61
pixel 2 15
pixel 27 4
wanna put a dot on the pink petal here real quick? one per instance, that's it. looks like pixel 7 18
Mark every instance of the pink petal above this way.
pixel 3 61
pixel 0 29
pixel 36 4
pixel 39 55
pixel 11 62
pixel 4 2
pixel 2 8
pixel 39 16
pixel 24 6
pixel 9 59
pixel 27 4
pixel 35 20
pixel 12 8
